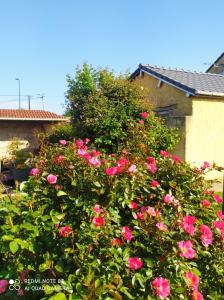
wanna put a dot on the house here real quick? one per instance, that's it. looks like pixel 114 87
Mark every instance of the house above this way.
pixel 192 101
pixel 218 66
pixel 23 124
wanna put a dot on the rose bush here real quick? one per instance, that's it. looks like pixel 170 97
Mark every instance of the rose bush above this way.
pixel 113 227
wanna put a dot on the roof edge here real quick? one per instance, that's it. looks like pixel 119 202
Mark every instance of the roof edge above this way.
pixel 220 56
pixel 35 119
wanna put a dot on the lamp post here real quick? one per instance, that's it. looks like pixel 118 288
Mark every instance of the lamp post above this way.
pixel 19 91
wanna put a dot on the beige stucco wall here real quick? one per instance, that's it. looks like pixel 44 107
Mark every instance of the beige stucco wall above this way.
pixel 24 131
pixel 205 132
pixel 165 95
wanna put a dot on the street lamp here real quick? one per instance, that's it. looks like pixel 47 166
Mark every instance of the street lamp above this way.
pixel 19 91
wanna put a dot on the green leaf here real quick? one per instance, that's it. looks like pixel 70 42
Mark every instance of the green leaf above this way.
pixel 97 184
pixel 97 283
pixel 58 296
pixel 61 193
pixel 59 269
pixel 6 238
pixel 14 247
pixel 74 182
pixel 180 290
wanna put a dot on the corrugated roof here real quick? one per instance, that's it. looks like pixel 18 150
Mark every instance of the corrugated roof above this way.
pixel 192 82
pixel 29 115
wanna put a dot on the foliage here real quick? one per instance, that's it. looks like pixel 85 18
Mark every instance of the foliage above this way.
pixel 19 153
pixel 60 131
pixel 106 108
pixel 114 227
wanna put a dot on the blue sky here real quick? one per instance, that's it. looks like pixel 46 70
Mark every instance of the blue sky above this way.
pixel 43 40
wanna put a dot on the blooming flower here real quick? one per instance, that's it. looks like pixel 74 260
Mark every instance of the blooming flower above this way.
pixel 3 285
pixel 151 211
pixel 141 122
pixel 144 115
pixel 64 231
pixel 116 242
pixel 206 203
pixel 98 221
pixel 79 143
pixel 206 235
pixel 34 172
pixel 205 165
pixel 133 205
pixel 155 183
pixel 58 159
pixel 164 153
pixel 161 226
pixel 82 152
pixel 63 142
pixel 196 295
pixel 122 162
pixel 126 233
pixel 113 171
pixel 192 280
pixel 217 198
pixel 188 224
pixel 97 209
pixel 132 169
pixel 95 153
pixel 161 287
pixel 151 168
pixel 52 179
pixel 93 161
pixel 186 249
pixel 168 198
pixel 134 263
pixel 220 215
pixel 176 159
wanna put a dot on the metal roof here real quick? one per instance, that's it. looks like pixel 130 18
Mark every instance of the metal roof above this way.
pixel 194 83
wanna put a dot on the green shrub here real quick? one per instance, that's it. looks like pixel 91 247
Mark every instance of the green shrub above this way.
pixel 112 226
pixel 107 109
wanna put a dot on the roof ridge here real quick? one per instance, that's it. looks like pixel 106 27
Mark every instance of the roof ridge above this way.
pixel 180 70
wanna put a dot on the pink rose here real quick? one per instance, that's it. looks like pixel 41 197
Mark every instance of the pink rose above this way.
pixel 151 168
pixel 79 143
pixel 161 226
pixel 98 221
pixel 217 198
pixel 64 231
pixel 95 153
pixel 196 295
pixel 3 285
pixel 164 153
pixel 206 235
pixel 52 179
pixel 97 209
pixel 154 183
pixel 34 172
pixel 161 287
pixel 132 169
pixel 192 280
pixel 168 198
pixel 206 203
pixel 63 142
pixel 133 205
pixel 144 115
pixel 113 171
pixel 188 224
pixel 93 161
pixel 126 233
pixel 134 263
pixel 186 249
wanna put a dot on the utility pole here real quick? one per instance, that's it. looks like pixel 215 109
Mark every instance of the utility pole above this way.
pixel 42 99
pixel 19 91
pixel 29 101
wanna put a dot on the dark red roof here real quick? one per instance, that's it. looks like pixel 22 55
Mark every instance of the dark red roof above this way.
pixel 34 115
